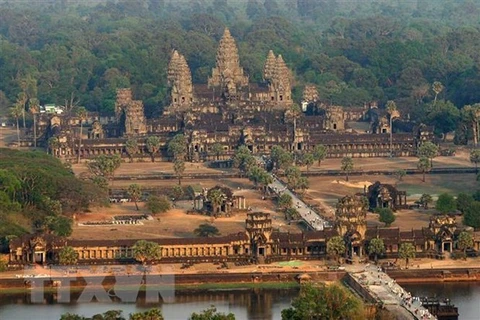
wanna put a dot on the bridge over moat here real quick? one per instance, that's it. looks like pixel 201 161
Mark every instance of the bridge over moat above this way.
pixel 377 287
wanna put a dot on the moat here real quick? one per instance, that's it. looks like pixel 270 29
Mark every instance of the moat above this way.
pixel 245 304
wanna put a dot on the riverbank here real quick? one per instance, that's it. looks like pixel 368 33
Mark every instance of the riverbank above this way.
pixel 177 281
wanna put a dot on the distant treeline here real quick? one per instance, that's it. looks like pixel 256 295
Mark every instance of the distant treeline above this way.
pixel 80 52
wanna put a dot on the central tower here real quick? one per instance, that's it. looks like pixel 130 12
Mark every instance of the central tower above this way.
pixel 227 75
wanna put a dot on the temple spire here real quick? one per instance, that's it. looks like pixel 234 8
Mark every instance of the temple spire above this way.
pixel 180 80
pixel 227 74
pixel 269 67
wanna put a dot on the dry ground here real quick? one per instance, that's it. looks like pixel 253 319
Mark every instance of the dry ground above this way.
pixel 324 191
pixel 7 135
pixel 176 223
pixel 461 159
pixel 149 168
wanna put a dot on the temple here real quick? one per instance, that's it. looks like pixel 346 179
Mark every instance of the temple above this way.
pixel 258 243
pixel 232 111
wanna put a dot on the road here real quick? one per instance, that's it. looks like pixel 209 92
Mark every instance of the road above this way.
pixel 312 218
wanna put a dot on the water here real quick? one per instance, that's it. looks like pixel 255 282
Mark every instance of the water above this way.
pixel 465 296
pixel 261 304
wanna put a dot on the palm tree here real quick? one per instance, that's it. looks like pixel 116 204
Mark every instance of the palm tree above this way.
pixel 22 100
pixel 407 252
pixel 216 198
pixel 376 247
pixel 82 114
pixel 471 115
pixel 475 158
pixel 424 165
pixel 437 87
pixel 131 146
pixel 134 191
pixel 392 111
pixel 347 166
pixel 153 145
pixel 217 150
pixel 16 112
pixel 34 106
pixel 53 144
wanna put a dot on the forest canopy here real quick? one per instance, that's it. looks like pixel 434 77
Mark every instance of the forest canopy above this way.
pixel 353 51
pixel 38 192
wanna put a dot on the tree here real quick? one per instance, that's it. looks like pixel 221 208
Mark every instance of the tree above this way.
pixel 179 169
pixel 336 247
pixel 391 108
pixel 34 108
pixel 475 158
pixel 71 316
pixel 386 216
pixel 53 144
pixel 9 183
pixel 156 204
pixel 257 174
pixel 437 87
pixel 347 166
pixel 471 217
pixel 217 150
pixel 16 112
pixel 320 153
pixel 216 198
pixel 308 160
pixel 293 177
pixel 470 114
pixel 428 150
pixel 59 225
pixel 465 241
pixel 425 200
pixel 206 230
pixel 211 314
pixel 443 116
pixel 464 201
pixel 21 101
pixel 146 251
pixel 152 314
pixel 292 214
pixel 446 203
pixel 105 165
pixel 68 256
pixel 177 147
pixel 399 174
pixel 134 191
pixel 176 192
pixel 407 252
pixel 280 158
pixel 424 165
pixel 285 201
pixel 131 147
pixel 332 302
pixel 153 145
pixel 82 115
pixel 376 246
pixel 243 159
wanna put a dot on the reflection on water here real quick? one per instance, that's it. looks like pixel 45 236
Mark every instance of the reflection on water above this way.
pixel 245 304
pixel 261 304
pixel 465 296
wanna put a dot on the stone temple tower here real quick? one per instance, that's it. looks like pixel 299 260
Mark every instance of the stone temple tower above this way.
pixel 269 68
pixel 227 75
pixel 180 82
pixel 258 227
pixel 135 121
pixel 351 224
pixel 279 78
